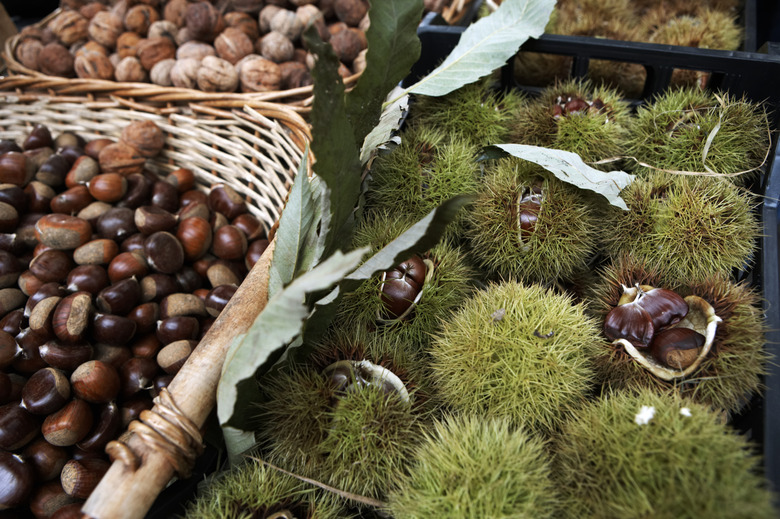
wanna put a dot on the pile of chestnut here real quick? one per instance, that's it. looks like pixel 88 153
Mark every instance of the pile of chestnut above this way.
pixel 109 276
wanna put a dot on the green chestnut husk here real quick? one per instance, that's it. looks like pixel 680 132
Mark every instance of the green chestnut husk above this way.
pixel 449 280
pixel 673 131
pixel 517 351
pixel 682 463
pixel 562 241
pixel 253 489
pixel 595 133
pixel 731 373
pixel 475 113
pixel 354 439
pixel 473 467
pixel 426 169
pixel 684 227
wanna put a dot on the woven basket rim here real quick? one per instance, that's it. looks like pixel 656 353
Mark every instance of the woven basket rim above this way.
pixel 145 92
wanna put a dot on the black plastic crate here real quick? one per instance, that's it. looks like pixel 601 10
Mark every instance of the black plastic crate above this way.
pixel 754 75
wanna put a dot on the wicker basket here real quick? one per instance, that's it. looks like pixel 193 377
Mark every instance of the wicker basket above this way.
pixel 298 99
pixel 256 151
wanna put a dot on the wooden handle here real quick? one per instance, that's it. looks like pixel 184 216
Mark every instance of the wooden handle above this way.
pixel 124 493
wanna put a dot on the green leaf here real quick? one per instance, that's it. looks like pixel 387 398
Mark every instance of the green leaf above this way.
pixel 278 324
pixel 338 158
pixel 419 238
pixel 389 122
pixel 393 47
pixel 486 45
pixel 569 167
pixel 295 225
pixel 237 442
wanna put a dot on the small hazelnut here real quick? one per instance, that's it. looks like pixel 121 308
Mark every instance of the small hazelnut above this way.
pixel 130 69
pixel 152 50
pixel 27 52
pixel 244 22
pixel 246 6
pixel 203 21
pixel 350 11
pixel 310 14
pixel 287 23
pixel 127 44
pixel 89 10
pixel 294 75
pixel 183 36
pixel 184 73
pixel 69 27
pixel 163 28
pixel 56 60
pixel 217 75
pixel 232 45
pixel 260 75
pixel 161 72
pixel 139 17
pixel 94 66
pixel 195 50
pixel 174 11
pixel 105 28
pixel 91 47
pixel 276 47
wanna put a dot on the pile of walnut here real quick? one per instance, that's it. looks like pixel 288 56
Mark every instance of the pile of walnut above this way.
pixel 109 276
pixel 246 46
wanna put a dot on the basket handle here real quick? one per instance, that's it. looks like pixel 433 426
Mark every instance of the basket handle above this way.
pixel 144 465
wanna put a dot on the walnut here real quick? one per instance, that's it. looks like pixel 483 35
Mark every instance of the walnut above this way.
pixel 114 58
pixel 350 11
pixel 232 45
pixel 105 28
pixel 243 21
pixel 217 75
pixel 195 50
pixel 310 14
pixel 285 22
pixel 139 17
pixel 259 75
pixel 348 43
pixel 127 44
pixel 300 56
pixel 27 52
pixel 336 27
pixel 69 27
pixel 89 10
pixel 204 21
pixel 264 19
pixel 174 12
pixel 163 28
pixel 294 75
pixel 161 72
pixel 247 6
pixel 90 47
pixel 152 50
pixel 130 69
pixel 184 73
pixel 35 33
pixel 121 158
pixel 55 60
pixel 183 36
pixel 144 136
pixel 277 47
pixel 93 66
pixel 120 8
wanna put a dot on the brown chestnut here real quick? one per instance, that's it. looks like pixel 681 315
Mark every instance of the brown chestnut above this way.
pixel 136 374
pixel 51 265
pixel 164 252
pixel 83 170
pixel 178 328
pixel 676 348
pixel 195 235
pixel 61 231
pixel 18 426
pixel 87 278
pixel 183 179
pixel 165 196
pixel 95 382
pixel 150 219
pixel 69 425
pixel 146 346
pixel 80 477
pixel 630 322
pixel 195 210
pixel 95 146
pixel 52 172
pixel 15 168
pixel 10 325
pixel 173 356
pixel 11 299
pixel 402 286
pixel 139 191
pixel 96 252
pixel 218 297
pixel 229 243
pixel 145 316
pixel 113 329
pixel 132 407
pixel 10 269
pixel 120 297
pixel 254 251
pixel 108 187
pixel 193 196
pixel 72 316
pixel 106 428
pixel 665 307
pixel 156 286
pixel 18 480
pixel 46 459
pixel 134 242
pixel 65 356
pixel 113 355
pixel 224 199
pixel 46 391
pixel 181 304
pixel 128 264
pixel 39 137
pixel 49 498
pixel 116 224
pixel 250 225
